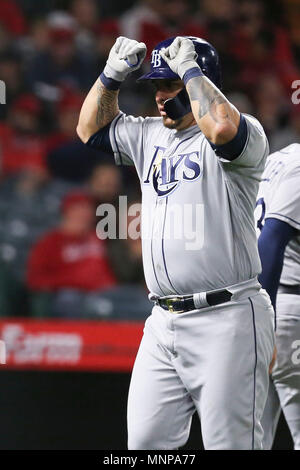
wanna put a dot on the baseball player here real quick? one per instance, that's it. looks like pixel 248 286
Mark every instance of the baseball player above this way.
pixel 208 343
pixel 278 223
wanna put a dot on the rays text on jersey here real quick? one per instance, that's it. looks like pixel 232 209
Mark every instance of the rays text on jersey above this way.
pixel 165 173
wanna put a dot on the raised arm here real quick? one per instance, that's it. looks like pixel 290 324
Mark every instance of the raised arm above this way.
pixel 100 106
pixel 216 117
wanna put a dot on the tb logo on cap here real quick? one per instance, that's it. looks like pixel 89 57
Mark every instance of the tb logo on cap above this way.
pixel 156 58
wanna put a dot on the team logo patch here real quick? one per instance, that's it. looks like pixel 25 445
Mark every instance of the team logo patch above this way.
pixel 156 58
pixel 166 173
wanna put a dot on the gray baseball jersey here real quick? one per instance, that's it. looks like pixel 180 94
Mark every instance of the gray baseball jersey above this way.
pixel 198 234
pixel 197 209
pixel 279 198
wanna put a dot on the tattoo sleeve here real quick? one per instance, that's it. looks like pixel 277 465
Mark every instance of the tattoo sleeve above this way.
pixel 209 99
pixel 107 105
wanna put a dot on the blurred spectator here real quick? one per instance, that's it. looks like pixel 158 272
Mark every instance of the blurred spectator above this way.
pixel 86 15
pixel 33 9
pixel 177 19
pixel 261 46
pixel 219 33
pixel 29 204
pixel 5 39
pixel 282 137
pixel 61 64
pixel 105 186
pixel 21 145
pixel 152 21
pixel 71 257
pixel 67 157
pixel 130 271
pixel 12 17
pixel 105 182
pixel 218 21
pixel 108 182
pixel 35 42
pixel 241 102
pixel 293 20
pixel 66 112
pixel 272 104
pixel 129 300
pixel 139 16
pixel 217 10
pixel 40 35
pixel 73 161
pixel 107 32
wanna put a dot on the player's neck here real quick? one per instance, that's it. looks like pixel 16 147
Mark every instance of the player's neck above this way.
pixel 187 121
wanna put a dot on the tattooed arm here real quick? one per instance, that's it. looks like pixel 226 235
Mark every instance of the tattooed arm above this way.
pixel 216 117
pixel 100 107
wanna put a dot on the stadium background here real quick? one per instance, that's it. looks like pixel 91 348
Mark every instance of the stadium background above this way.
pixel 93 295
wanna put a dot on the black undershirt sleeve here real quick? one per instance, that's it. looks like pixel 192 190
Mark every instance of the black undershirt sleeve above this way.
pixel 233 149
pixel 100 140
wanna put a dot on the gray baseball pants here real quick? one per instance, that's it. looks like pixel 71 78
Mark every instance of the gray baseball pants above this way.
pixel 213 361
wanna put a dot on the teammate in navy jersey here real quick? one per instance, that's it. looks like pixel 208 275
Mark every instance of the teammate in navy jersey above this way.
pixel 278 223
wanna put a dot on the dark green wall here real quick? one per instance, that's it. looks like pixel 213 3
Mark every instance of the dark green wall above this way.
pixel 73 410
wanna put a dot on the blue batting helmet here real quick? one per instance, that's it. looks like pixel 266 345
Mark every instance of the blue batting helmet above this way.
pixel 207 59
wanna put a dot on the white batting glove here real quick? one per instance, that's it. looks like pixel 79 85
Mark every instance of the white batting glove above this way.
pixel 125 56
pixel 180 56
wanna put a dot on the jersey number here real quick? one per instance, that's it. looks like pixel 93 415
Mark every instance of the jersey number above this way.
pixel 260 212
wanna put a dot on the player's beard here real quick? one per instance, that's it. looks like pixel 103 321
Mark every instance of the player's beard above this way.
pixel 171 123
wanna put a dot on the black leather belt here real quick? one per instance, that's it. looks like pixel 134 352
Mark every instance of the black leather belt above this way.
pixel 284 289
pixel 184 304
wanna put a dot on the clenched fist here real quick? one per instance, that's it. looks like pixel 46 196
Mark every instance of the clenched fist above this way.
pixel 180 55
pixel 125 56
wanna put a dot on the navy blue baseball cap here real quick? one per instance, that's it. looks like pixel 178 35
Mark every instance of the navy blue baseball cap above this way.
pixel 207 59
